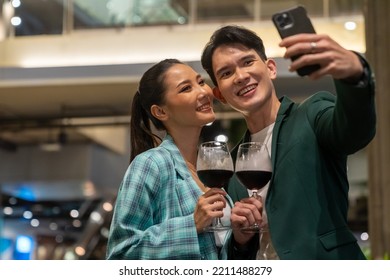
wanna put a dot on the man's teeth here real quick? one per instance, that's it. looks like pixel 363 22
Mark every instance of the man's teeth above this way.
pixel 245 90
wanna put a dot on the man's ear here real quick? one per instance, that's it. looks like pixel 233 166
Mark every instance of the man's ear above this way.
pixel 158 113
pixel 217 93
pixel 271 65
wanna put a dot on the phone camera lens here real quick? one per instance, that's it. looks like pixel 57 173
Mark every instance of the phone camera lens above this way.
pixel 283 20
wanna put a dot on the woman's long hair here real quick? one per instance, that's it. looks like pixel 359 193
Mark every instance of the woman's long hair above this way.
pixel 151 91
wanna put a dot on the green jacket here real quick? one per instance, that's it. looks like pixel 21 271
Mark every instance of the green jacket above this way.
pixel 307 201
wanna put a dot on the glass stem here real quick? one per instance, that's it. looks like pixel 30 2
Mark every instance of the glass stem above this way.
pixel 255 194
pixel 219 222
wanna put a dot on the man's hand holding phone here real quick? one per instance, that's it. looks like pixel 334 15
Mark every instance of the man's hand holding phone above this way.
pixel 333 59
pixel 292 22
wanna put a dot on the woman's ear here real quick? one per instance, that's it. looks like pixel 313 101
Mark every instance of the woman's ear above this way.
pixel 217 93
pixel 158 112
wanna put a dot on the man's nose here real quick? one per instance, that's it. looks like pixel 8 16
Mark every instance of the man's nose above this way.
pixel 241 75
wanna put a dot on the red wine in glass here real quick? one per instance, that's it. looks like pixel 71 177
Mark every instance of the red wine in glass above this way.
pixel 214 167
pixel 217 178
pixel 254 179
pixel 253 170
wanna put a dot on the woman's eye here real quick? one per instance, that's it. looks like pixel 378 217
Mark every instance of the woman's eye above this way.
pixel 202 82
pixel 186 88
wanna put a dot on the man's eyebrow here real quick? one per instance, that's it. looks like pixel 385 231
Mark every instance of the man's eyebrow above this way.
pixel 245 57
pixel 219 71
pixel 248 56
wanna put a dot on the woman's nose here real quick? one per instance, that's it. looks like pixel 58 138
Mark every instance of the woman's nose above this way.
pixel 205 91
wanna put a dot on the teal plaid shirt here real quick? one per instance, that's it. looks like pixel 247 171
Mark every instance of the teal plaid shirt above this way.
pixel 153 216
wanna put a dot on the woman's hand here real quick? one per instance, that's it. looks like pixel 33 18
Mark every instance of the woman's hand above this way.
pixel 245 213
pixel 210 205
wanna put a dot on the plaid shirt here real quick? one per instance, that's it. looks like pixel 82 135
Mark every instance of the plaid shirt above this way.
pixel 153 216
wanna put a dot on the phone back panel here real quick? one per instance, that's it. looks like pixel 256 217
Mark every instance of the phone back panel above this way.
pixel 291 22
pixel 296 21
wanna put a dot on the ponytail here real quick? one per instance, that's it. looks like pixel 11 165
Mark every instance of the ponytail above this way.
pixel 141 136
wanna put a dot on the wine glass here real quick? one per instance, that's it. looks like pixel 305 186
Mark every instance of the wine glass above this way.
pixel 253 170
pixel 214 167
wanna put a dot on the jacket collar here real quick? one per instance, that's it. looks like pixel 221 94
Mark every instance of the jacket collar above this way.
pixel 177 158
pixel 286 105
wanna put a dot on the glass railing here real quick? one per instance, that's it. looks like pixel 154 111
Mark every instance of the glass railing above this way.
pixel 36 17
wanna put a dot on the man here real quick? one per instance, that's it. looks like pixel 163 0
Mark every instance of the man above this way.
pixel 306 201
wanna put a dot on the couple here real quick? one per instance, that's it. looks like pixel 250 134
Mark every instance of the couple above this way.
pixel 162 207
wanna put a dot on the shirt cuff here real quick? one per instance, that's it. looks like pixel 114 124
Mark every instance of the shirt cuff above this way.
pixel 364 79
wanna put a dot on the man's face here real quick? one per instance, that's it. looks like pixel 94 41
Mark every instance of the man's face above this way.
pixel 244 79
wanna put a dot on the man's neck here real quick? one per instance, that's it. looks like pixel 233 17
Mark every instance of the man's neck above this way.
pixel 260 119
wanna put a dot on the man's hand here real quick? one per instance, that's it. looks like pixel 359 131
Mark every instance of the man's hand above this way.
pixel 334 60
pixel 245 213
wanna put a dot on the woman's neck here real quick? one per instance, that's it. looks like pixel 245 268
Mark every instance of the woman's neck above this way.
pixel 187 142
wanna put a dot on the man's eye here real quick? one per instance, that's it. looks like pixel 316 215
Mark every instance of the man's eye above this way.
pixel 225 74
pixel 249 62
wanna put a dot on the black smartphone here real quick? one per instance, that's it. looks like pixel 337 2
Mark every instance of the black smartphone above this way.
pixel 295 21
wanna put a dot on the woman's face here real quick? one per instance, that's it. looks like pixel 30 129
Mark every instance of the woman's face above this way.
pixel 188 99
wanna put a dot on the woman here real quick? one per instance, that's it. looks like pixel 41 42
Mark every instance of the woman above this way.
pixel 162 207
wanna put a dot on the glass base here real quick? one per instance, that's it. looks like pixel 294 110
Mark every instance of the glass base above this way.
pixel 253 229
pixel 216 225
pixel 216 228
